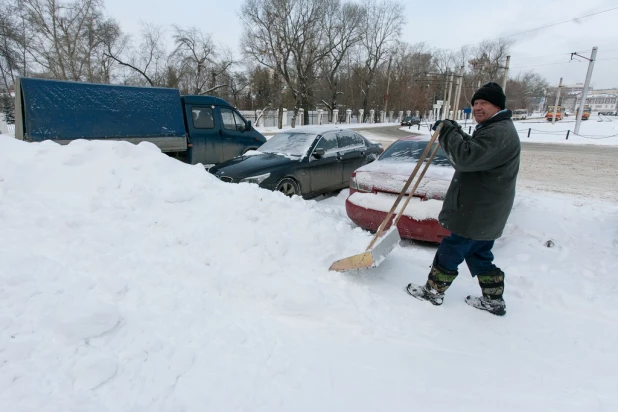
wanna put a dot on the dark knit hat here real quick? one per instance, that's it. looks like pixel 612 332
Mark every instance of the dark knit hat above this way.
pixel 492 92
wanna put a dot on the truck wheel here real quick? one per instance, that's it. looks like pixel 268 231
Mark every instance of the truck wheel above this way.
pixel 288 187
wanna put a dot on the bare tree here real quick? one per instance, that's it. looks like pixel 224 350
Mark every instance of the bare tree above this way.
pixel 343 32
pixel 382 23
pixel 525 90
pixel 198 61
pixel 444 61
pixel 148 59
pixel 410 88
pixel 487 60
pixel 262 40
pixel 291 37
pixel 109 38
pixel 65 35
pixel 9 46
pixel 238 83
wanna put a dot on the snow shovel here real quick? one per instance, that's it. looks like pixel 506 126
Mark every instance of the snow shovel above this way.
pixel 383 241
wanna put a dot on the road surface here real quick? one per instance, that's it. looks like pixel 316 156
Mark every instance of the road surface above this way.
pixel 582 170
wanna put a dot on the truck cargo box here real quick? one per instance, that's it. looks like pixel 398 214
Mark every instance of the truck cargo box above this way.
pixel 64 111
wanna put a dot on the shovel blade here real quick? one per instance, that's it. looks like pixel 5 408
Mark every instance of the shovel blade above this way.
pixel 372 257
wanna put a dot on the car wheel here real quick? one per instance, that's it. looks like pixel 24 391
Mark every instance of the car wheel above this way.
pixel 288 187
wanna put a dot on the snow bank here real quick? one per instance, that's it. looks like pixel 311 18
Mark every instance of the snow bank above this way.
pixel 132 282
pixel 121 269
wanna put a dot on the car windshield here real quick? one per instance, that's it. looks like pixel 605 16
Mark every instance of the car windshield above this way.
pixel 291 144
pixel 411 151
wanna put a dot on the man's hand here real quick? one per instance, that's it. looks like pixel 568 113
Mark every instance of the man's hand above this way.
pixel 447 125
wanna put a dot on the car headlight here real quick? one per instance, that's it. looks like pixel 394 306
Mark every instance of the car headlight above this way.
pixel 353 184
pixel 256 179
pixel 359 186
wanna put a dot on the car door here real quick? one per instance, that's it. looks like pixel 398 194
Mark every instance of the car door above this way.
pixel 326 172
pixel 233 133
pixel 352 150
pixel 204 137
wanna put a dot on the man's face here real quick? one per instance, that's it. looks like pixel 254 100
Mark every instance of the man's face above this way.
pixel 483 110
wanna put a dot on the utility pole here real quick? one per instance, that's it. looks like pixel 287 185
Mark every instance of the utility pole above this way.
pixel 458 92
pixel 388 84
pixel 593 56
pixel 447 103
pixel 553 118
pixel 444 101
pixel 506 73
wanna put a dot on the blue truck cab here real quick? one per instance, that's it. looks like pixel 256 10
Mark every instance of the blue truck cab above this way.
pixel 194 129
pixel 217 132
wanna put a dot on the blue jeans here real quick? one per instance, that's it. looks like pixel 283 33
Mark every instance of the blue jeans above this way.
pixel 454 249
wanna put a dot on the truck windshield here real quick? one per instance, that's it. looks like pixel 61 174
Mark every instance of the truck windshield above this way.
pixel 292 144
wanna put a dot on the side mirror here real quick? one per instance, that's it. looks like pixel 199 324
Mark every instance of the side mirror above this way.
pixel 318 153
pixel 248 125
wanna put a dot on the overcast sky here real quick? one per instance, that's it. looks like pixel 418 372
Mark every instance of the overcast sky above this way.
pixel 452 25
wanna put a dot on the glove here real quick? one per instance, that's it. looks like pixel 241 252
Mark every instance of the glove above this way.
pixel 447 125
pixel 436 124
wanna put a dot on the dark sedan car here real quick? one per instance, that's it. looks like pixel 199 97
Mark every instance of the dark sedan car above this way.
pixel 410 120
pixel 306 161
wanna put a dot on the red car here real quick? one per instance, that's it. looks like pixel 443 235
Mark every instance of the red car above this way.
pixel 375 187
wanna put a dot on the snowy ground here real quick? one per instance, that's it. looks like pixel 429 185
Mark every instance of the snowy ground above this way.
pixel 132 282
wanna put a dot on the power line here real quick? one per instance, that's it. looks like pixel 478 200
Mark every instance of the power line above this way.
pixel 553 64
pixel 559 54
pixel 544 27
pixel 544 64
pixel 555 24
pixel 541 57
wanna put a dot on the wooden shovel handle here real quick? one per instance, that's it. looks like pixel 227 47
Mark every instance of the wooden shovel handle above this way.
pixel 406 186
pixel 418 181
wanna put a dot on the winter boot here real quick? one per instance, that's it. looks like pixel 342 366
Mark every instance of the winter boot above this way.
pixel 438 281
pixel 492 286
pixel 425 292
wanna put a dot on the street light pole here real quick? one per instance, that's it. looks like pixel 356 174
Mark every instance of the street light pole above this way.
pixel 553 119
pixel 582 104
pixel 506 73
pixel 388 84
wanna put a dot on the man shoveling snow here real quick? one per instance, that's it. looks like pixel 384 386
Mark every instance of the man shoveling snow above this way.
pixel 478 201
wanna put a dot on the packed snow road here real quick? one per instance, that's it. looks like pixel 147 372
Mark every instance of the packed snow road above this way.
pixel 582 170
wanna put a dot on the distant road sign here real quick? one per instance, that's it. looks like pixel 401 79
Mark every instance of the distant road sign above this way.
pixel 467 110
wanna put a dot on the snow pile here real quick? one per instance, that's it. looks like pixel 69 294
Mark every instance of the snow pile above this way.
pixel 119 265
pixel 132 282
